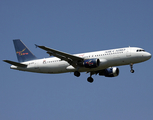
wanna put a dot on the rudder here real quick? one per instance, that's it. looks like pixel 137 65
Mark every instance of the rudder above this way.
pixel 22 52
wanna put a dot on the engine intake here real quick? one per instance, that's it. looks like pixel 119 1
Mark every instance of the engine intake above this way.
pixel 109 72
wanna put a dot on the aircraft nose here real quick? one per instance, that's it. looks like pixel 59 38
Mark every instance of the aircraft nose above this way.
pixel 148 55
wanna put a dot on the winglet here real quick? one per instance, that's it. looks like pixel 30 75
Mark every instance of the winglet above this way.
pixel 48 52
pixel 36 45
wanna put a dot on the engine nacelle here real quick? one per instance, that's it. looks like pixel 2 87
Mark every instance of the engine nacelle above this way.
pixel 91 63
pixel 110 72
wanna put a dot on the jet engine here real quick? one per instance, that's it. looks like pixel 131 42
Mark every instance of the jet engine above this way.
pixel 91 63
pixel 109 72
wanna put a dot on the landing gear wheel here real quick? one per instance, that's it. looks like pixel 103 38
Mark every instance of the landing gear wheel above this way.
pixel 90 79
pixel 77 74
pixel 132 71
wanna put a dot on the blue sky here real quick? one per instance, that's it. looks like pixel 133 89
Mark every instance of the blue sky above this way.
pixel 74 27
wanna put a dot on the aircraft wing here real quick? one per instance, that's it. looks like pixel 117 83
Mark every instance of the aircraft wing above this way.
pixel 71 59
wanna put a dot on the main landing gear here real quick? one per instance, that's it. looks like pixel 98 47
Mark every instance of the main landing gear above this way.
pixel 89 79
pixel 77 73
pixel 131 65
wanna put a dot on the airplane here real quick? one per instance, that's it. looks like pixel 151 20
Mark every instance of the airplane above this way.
pixel 100 62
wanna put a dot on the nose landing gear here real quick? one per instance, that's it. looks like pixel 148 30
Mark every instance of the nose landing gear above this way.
pixel 131 65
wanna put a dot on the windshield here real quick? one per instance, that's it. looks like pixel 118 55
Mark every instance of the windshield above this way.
pixel 140 50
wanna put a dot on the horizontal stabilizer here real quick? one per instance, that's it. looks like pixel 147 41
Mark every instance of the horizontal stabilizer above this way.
pixel 15 63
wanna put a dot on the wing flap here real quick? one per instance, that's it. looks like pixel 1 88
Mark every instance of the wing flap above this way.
pixel 15 63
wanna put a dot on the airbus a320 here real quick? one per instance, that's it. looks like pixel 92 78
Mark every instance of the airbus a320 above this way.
pixel 100 62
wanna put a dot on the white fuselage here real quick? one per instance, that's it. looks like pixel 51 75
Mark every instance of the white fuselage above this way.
pixel 108 58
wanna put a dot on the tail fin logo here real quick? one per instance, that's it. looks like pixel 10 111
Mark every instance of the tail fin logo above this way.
pixel 22 52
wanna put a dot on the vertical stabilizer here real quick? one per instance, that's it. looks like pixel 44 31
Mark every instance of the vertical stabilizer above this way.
pixel 22 52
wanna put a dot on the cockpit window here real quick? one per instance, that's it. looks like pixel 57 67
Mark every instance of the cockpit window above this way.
pixel 140 50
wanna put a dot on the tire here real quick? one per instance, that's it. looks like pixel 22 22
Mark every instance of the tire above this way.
pixel 90 79
pixel 132 71
pixel 77 74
